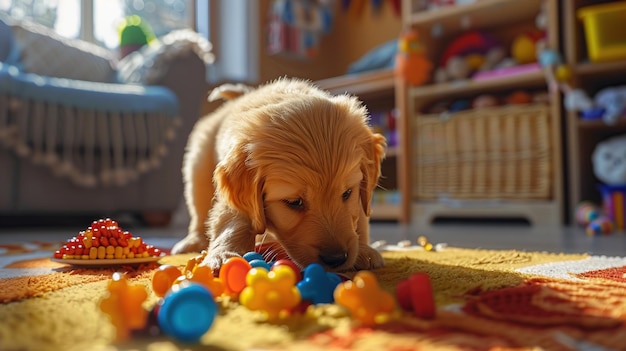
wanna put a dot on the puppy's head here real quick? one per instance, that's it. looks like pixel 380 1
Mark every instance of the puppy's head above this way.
pixel 302 166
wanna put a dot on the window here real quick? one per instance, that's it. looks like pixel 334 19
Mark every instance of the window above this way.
pixel 98 21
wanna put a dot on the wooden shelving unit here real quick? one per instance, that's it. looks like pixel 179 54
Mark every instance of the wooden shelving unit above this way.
pixel 483 13
pixel 469 87
pixel 437 27
pixel 584 135
pixel 377 91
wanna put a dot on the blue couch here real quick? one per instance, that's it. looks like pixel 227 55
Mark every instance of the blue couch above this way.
pixel 84 133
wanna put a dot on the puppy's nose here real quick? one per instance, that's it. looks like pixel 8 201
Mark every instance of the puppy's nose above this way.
pixel 334 259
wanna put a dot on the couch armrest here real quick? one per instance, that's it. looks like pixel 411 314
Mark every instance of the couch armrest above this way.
pixel 148 65
pixel 86 95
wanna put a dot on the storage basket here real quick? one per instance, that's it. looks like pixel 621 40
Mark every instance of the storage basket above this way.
pixel 492 153
pixel 604 30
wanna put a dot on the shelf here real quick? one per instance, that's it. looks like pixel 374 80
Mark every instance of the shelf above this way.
pixel 486 13
pixel 467 87
pixel 385 212
pixel 392 151
pixel 599 124
pixel 599 68
pixel 360 84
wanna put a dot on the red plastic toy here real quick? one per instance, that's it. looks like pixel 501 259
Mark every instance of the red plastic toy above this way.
pixel 416 294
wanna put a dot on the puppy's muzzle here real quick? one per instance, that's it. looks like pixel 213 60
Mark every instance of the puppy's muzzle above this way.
pixel 334 259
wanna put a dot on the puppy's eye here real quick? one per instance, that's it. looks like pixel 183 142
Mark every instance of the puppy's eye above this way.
pixel 346 195
pixel 296 204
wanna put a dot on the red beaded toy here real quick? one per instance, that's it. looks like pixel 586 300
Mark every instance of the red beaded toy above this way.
pixel 105 239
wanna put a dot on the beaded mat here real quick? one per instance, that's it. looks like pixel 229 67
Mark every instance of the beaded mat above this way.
pixel 486 300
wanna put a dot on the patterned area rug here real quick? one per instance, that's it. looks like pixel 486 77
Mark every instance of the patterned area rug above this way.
pixel 486 300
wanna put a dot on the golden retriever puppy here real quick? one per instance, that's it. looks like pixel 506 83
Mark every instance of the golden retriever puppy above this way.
pixel 287 161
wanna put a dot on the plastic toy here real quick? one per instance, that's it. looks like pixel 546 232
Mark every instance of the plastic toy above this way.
pixel 233 274
pixel 260 264
pixel 603 35
pixel 424 243
pixel 273 293
pixel 123 305
pixel 508 71
pixel 614 204
pixel 484 100
pixel 524 46
pixel 459 105
pixel 471 52
pixel 411 61
pixel 519 97
pixel 317 285
pixel 203 275
pixel 587 212
pixel 134 33
pixel 252 255
pixel 163 279
pixel 290 264
pixel 416 294
pixel 600 226
pixel 187 311
pixel 609 160
pixel 613 101
pixel 364 299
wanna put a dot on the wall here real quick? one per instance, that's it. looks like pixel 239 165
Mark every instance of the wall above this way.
pixel 351 37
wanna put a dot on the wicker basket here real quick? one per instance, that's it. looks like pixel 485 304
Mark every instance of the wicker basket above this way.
pixel 500 152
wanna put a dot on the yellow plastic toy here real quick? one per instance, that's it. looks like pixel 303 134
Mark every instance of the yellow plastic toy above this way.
pixel 274 293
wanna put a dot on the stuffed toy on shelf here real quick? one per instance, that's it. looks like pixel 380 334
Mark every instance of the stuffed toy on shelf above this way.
pixel 412 63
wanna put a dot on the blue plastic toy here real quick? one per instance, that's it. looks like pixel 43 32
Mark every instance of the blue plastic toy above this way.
pixel 317 285
pixel 260 264
pixel 252 255
pixel 187 312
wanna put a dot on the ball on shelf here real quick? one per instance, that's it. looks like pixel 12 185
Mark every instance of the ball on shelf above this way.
pixel 587 212
pixel 600 226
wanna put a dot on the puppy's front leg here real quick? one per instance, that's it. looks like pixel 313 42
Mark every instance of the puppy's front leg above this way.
pixel 230 235
pixel 369 258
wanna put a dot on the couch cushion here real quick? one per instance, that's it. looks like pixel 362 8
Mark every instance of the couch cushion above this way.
pixel 46 53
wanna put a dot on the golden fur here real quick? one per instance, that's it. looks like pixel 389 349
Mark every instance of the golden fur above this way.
pixel 287 160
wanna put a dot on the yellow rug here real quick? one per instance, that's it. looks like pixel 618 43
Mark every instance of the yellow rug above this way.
pixel 486 300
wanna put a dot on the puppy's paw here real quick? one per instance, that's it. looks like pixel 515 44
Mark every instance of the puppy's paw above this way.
pixel 216 258
pixel 369 258
pixel 191 243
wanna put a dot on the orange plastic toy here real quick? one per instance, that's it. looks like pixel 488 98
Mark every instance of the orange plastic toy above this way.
pixel 123 305
pixel 274 293
pixel 163 279
pixel 411 62
pixel 203 275
pixel 365 300
pixel 233 274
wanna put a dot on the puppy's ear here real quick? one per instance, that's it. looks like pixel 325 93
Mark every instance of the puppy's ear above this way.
pixel 242 188
pixel 370 167
pixel 229 91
